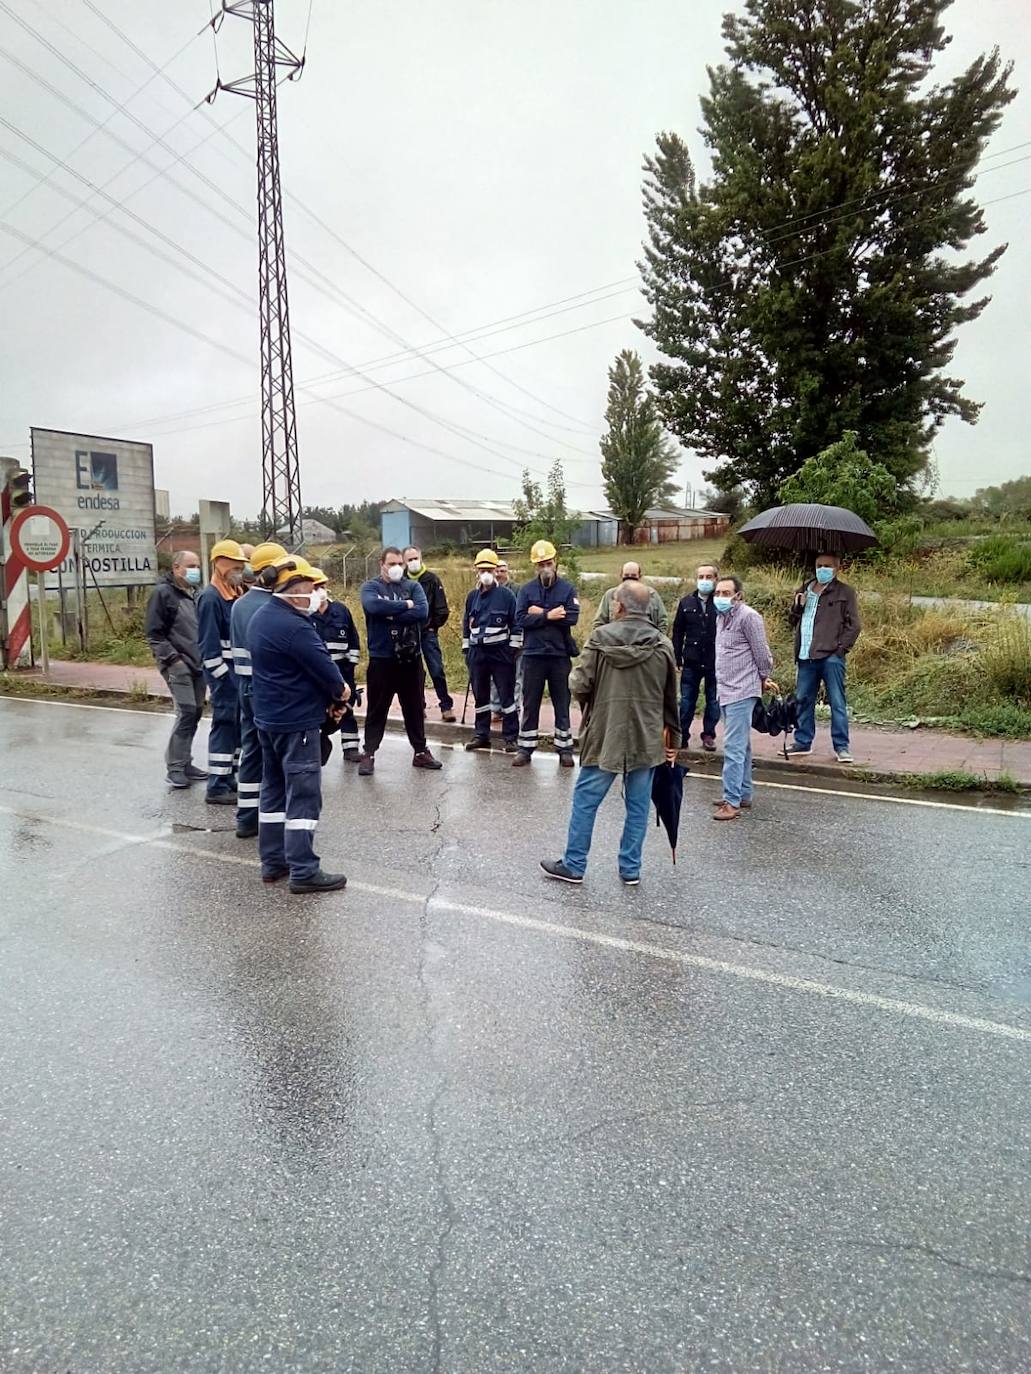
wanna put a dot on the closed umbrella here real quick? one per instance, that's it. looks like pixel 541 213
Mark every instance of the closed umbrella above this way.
pixel 668 797
pixel 809 528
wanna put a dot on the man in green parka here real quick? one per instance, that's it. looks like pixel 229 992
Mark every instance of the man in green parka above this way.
pixel 626 684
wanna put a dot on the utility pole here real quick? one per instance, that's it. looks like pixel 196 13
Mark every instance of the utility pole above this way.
pixel 280 468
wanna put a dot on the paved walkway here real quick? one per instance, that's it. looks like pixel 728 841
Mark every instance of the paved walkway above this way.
pixel 876 749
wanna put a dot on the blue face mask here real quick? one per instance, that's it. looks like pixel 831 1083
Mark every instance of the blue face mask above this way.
pixel 705 585
pixel 723 603
pixel 192 576
pixel 824 575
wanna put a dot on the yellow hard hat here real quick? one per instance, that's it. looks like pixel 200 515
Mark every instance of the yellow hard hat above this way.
pixel 542 551
pixel 265 554
pixel 319 577
pixel 486 558
pixel 292 568
pixel 228 548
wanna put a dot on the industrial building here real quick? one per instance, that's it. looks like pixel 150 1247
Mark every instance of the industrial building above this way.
pixel 431 523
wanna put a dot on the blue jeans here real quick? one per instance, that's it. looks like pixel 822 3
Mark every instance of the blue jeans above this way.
pixel 737 751
pixel 690 681
pixel 590 791
pixel 811 672
pixel 435 667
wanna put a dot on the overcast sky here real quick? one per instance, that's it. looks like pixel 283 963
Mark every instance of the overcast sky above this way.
pixel 481 157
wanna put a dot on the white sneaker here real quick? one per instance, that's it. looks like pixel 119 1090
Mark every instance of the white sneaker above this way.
pixel 843 756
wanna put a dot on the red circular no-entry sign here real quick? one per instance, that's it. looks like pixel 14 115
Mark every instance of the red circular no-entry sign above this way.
pixel 40 538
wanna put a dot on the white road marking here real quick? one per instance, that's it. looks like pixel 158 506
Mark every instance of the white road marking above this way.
pixel 695 777
pixel 892 1005
pixel 879 797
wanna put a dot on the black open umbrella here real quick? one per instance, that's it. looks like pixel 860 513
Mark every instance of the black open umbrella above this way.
pixel 668 796
pixel 809 528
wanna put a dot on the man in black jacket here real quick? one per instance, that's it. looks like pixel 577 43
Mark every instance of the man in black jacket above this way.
pixel 694 647
pixel 439 612
pixel 172 635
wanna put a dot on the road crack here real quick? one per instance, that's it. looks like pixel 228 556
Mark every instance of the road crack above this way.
pixel 931 1252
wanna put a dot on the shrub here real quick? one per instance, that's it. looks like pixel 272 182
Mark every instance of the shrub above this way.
pixel 1002 558
pixel 1005 660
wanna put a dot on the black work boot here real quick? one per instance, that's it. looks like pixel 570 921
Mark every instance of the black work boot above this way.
pixel 424 759
pixel 319 882
pixel 366 765
pixel 478 742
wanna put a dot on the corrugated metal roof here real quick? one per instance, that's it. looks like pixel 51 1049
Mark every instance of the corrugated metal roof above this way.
pixel 440 511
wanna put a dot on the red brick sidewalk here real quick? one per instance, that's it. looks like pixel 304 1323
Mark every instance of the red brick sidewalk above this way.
pixel 878 750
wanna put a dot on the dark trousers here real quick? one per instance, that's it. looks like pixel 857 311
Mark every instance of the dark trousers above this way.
pixel 291 800
pixel 435 667
pixel 386 679
pixel 248 784
pixel 224 739
pixel 484 669
pixel 690 682
pixel 551 671
pixel 187 688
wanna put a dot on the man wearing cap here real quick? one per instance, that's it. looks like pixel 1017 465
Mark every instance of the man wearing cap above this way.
pixel 295 684
pixel 263 576
pixel 546 610
pixel 657 613
pixel 504 577
pixel 489 641
pixel 339 633
pixel 214 608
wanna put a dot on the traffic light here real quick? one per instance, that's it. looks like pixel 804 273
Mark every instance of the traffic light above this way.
pixel 19 484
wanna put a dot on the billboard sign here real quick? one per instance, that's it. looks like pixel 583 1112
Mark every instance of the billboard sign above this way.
pixel 105 488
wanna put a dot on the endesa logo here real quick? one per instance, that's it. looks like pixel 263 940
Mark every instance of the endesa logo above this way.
pixel 96 472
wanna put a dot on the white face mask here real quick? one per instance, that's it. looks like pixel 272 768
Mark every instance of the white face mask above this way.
pixel 486 579
pixel 395 572
pixel 322 595
pixel 414 564
pixel 311 600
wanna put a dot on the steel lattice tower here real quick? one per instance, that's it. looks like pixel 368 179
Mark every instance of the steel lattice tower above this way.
pixel 280 467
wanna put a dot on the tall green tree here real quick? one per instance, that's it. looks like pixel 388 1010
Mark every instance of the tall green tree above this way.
pixel 814 285
pixel 638 461
pixel 542 513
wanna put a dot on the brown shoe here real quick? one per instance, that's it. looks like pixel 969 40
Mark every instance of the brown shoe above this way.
pixel 565 760
pixel 424 759
pixel 521 760
pixel 448 716
pixel 744 806
pixel 366 765
pixel 727 813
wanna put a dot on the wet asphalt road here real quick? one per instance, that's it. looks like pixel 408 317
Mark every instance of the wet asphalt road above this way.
pixel 767 1112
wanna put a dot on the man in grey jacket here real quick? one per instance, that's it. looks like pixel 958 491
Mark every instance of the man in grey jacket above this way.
pixel 626 682
pixel 657 613
pixel 172 635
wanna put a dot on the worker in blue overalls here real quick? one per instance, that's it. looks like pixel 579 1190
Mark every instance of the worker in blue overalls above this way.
pixel 248 784
pixel 214 607
pixel 489 641
pixel 339 633
pixel 295 685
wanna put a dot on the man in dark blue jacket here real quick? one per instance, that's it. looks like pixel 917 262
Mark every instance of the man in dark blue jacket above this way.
pixel 214 606
pixel 295 684
pixel 339 633
pixel 489 641
pixel 694 648
pixel 248 785
pixel 546 610
pixel 395 609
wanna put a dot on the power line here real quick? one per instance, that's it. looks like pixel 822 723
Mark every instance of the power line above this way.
pixel 339 362
pixel 484 396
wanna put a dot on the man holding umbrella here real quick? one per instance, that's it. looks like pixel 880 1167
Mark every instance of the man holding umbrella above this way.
pixel 626 682
pixel 825 616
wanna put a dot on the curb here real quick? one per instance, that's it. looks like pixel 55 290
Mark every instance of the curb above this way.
pixel 699 762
